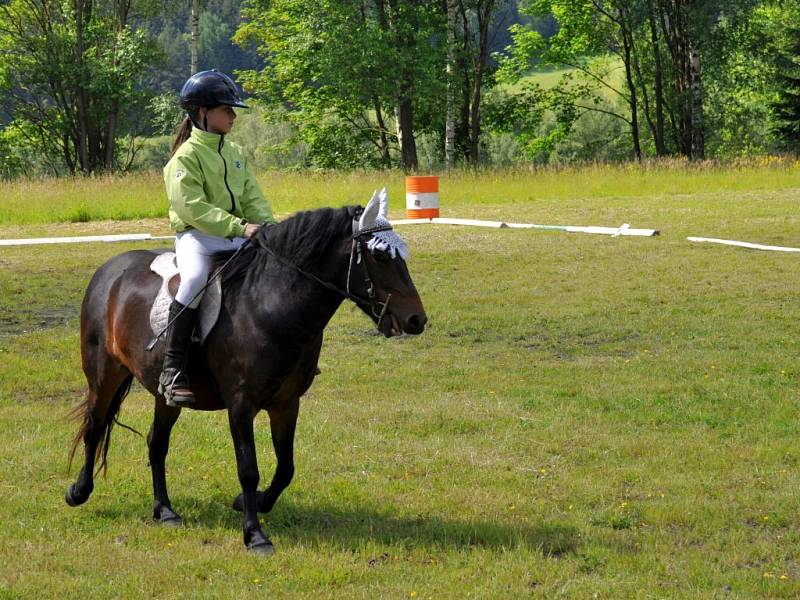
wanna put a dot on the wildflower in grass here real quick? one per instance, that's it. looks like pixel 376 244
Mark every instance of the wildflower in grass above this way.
pixel 769 575
pixel 784 577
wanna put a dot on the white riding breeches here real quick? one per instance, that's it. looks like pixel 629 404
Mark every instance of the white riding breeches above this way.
pixel 193 250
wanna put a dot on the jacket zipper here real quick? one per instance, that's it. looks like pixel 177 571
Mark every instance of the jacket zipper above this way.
pixel 225 176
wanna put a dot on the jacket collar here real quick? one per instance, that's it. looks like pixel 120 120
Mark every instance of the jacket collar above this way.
pixel 211 140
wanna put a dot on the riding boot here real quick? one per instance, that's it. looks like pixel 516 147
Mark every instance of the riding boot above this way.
pixel 174 382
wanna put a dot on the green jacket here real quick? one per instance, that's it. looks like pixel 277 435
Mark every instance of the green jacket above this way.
pixel 211 188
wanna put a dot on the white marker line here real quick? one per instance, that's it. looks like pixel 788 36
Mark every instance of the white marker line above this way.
pixel 623 230
pixel 743 244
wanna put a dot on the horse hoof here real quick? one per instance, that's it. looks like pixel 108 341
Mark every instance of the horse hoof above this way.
pixel 73 498
pixel 262 548
pixel 167 517
pixel 173 521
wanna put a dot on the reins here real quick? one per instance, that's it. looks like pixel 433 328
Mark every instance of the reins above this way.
pixel 356 250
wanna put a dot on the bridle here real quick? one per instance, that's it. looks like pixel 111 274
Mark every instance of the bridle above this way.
pixel 357 252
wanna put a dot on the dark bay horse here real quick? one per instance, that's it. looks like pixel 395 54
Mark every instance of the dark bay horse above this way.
pixel 279 295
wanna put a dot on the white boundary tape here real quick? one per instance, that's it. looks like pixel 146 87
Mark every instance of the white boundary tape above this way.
pixel 743 244
pixel 124 237
pixel 625 229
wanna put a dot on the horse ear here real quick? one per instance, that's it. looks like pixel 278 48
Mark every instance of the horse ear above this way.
pixel 370 213
pixel 384 202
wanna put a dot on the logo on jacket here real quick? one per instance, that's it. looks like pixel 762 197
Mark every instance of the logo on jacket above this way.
pixel 179 173
pixel 238 164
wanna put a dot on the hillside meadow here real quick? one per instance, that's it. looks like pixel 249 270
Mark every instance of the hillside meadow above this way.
pixel 585 416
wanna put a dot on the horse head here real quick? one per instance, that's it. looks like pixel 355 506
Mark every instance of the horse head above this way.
pixel 378 278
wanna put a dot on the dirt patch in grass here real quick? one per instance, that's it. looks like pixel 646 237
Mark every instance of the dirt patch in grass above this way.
pixel 47 318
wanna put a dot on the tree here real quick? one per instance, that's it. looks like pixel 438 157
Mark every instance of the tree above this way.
pixel 475 31
pixel 342 70
pixel 784 42
pixel 588 32
pixel 450 122
pixel 195 35
pixel 70 75
pixel 661 46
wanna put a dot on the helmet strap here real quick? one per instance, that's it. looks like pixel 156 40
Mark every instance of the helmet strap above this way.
pixel 193 118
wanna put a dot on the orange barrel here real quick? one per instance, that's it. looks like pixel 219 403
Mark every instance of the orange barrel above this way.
pixel 422 197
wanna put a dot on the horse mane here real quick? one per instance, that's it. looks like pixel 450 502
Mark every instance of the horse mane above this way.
pixel 304 238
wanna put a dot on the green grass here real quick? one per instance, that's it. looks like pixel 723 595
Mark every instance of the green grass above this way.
pixel 584 416
pixel 141 196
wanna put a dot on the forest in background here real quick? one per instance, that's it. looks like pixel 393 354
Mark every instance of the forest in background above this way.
pixel 90 86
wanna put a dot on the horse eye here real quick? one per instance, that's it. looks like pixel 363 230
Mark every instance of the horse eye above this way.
pixel 381 256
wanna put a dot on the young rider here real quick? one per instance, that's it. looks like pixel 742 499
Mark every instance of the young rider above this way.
pixel 214 204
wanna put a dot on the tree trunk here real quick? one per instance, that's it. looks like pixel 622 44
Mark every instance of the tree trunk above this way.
pixel 462 130
pixel 698 151
pixel 673 25
pixel 627 46
pixel 195 35
pixel 111 136
pixel 404 108
pixel 661 147
pixel 484 14
pixel 643 87
pixel 81 99
pixel 450 122
pixel 384 140
pixel 405 127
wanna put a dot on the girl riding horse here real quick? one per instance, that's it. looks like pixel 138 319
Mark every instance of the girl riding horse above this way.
pixel 215 204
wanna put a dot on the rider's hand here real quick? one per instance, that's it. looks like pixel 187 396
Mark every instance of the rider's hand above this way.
pixel 251 229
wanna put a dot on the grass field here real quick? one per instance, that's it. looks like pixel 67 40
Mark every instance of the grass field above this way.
pixel 585 416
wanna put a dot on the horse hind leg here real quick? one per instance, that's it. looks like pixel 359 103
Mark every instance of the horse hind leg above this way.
pixel 158 446
pixel 97 412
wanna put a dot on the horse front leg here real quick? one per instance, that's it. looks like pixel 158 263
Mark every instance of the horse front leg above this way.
pixel 282 424
pixel 240 416
pixel 158 446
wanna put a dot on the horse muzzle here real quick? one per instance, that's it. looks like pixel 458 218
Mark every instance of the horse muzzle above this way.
pixel 391 325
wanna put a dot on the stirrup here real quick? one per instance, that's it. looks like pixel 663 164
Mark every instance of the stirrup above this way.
pixel 166 387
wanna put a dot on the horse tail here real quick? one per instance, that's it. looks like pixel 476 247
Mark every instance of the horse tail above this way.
pixel 85 412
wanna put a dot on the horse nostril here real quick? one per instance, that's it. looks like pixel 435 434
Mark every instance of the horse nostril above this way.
pixel 416 323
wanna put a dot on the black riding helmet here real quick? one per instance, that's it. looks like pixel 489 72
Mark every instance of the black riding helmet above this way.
pixel 209 89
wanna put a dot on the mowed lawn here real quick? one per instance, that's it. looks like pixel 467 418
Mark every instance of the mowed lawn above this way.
pixel 585 416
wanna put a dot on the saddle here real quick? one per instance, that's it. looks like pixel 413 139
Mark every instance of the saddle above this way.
pixel 209 304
